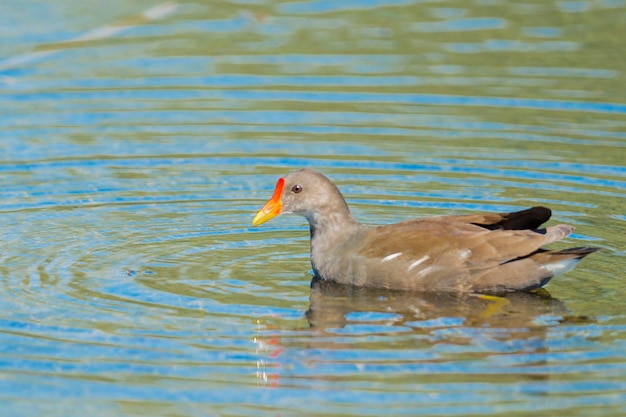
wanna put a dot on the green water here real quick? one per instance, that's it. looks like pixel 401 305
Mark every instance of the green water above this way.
pixel 139 139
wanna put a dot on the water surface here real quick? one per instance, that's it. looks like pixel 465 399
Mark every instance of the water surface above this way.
pixel 139 139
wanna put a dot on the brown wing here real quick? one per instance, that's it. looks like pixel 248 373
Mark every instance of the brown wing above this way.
pixel 452 252
pixel 531 218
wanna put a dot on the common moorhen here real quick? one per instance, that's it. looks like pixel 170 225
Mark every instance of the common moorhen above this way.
pixel 483 253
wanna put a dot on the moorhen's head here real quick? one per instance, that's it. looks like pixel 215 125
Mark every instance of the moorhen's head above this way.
pixel 304 192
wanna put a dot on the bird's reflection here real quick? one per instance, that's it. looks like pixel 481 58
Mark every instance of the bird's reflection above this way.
pixel 436 329
pixel 332 304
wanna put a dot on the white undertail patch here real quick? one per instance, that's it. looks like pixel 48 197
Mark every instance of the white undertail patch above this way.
pixel 557 268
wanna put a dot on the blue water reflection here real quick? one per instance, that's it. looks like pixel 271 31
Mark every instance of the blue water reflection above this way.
pixel 327 6
pixel 478 23
pixel 137 144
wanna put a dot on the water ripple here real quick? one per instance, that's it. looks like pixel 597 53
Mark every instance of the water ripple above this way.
pixel 137 147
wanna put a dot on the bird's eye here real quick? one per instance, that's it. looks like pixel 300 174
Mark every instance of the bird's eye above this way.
pixel 296 189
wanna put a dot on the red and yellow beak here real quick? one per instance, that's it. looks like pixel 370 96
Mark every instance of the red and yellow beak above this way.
pixel 273 207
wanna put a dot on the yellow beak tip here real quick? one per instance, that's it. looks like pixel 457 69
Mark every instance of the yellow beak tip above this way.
pixel 261 217
pixel 272 208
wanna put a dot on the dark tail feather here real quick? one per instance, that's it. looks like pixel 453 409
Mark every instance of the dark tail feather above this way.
pixel 577 253
pixel 530 218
